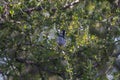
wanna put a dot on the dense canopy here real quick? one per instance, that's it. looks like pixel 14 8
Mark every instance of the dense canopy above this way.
pixel 28 33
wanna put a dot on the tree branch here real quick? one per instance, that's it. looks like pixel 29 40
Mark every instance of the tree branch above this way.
pixel 71 4
pixel 39 8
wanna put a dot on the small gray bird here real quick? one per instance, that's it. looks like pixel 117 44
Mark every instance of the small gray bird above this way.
pixel 61 38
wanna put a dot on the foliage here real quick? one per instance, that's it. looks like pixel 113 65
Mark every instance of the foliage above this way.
pixel 28 31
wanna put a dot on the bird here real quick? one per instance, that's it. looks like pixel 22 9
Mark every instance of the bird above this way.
pixel 61 41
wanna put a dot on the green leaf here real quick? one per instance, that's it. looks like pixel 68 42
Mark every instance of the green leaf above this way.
pixel 12 12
